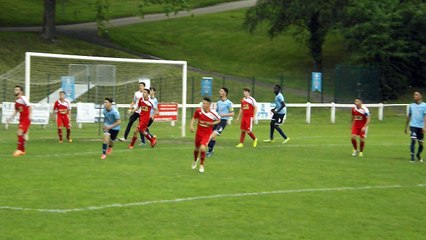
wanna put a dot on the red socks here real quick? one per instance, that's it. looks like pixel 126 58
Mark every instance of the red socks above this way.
pixel 196 155
pixel 202 157
pixel 251 134
pixel 60 134
pixel 21 143
pixel 361 147
pixel 68 134
pixel 132 143
pixel 354 144
pixel 149 137
pixel 242 137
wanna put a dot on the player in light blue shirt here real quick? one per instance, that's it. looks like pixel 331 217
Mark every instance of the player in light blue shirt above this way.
pixel 278 116
pixel 112 123
pixel 416 120
pixel 225 109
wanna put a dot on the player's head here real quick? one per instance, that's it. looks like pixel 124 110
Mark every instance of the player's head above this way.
pixel 246 92
pixel 19 90
pixel 223 92
pixel 141 86
pixel 62 95
pixel 206 104
pixel 152 90
pixel 417 96
pixel 277 89
pixel 108 103
pixel 358 102
pixel 146 93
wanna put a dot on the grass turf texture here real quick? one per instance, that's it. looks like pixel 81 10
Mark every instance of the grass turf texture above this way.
pixel 218 42
pixel 28 12
pixel 62 176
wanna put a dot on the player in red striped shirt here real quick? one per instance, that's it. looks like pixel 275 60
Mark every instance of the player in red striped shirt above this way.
pixel 22 106
pixel 62 108
pixel 248 111
pixel 360 121
pixel 207 118
pixel 145 104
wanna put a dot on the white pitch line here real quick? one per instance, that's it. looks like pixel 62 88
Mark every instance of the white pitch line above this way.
pixel 197 198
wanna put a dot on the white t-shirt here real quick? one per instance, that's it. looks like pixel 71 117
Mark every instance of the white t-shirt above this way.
pixel 138 95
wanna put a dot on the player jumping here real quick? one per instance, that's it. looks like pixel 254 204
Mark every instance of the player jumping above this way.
pixel 111 127
pixel 248 111
pixel 135 114
pixel 360 121
pixel 145 105
pixel 22 105
pixel 416 118
pixel 62 108
pixel 206 120
pixel 225 109
pixel 278 116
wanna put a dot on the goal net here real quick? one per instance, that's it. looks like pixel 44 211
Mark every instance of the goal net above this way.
pixel 95 78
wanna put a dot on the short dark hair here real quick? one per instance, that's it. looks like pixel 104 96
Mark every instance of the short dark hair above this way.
pixel 109 99
pixel 246 89
pixel 226 90
pixel 278 86
pixel 20 87
pixel 62 92
pixel 143 83
pixel 147 90
pixel 152 89
pixel 207 99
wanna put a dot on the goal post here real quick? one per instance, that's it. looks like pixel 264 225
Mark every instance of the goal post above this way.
pixel 57 65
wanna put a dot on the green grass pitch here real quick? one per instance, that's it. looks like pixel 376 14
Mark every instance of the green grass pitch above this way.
pixel 310 188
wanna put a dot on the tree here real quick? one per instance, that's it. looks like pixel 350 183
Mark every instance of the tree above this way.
pixel 310 21
pixel 389 34
pixel 49 26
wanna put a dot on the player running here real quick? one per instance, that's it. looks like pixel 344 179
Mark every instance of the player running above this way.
pixel 360 121
pixel 145 105
pixel 225 109
pixel 136 97
pixel 207 118
pixel 416 118
pixel 112 123
pixel 248 111
pixel 62 108
pixel 22 106
pixel 154 111
pixel 278 116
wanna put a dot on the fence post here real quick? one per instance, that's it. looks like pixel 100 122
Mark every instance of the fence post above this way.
pixel 48 88
pixel 88 88
pixel 4 90
pixel 333 113
pixel 308 113
pixel 192 94
pixel 408 109
pixel 380 112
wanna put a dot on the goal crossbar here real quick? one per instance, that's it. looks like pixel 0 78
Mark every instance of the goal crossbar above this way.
pixel 183 64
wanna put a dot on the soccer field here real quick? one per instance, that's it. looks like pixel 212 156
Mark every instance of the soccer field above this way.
pixel 310 188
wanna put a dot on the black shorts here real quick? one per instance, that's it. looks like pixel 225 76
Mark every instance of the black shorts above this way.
pixel 416 133
pixel 218 128
pixel 112 134
pixel 277 119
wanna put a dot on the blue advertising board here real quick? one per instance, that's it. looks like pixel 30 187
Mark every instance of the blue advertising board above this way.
pixel 68 86
pixel 316 81
pixel 206 86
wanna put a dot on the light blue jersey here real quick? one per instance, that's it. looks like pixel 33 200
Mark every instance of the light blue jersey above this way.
pixel 417 113
pixel 279 98
pixel 111 117
pixel 155 101
pixel 224 107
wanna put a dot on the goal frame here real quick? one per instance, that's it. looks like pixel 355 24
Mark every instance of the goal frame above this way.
pixel 183 64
